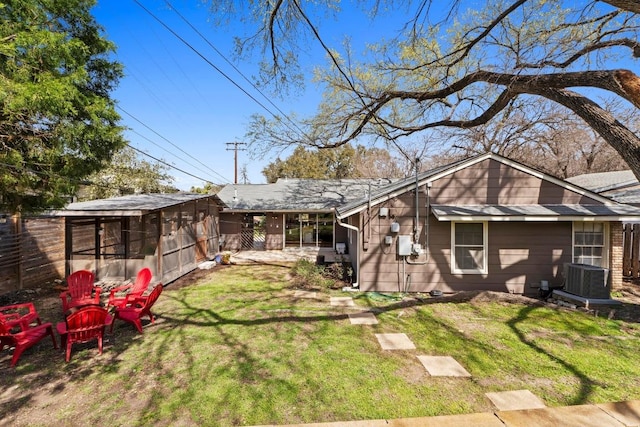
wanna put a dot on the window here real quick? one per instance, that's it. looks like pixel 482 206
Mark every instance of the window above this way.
pixel 589 243
pixel 469 247
pixel 308 229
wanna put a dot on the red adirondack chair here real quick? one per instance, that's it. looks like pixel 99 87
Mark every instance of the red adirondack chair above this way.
pixel 21 315
pixel 140 307
pixel 83 325
pixel 136 289
pixel 28 336
pixel 81 290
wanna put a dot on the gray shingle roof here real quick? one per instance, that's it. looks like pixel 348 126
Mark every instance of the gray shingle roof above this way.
pixel 297 194
pixel 604 181
pixel 136 204
pixel 535 212
pixel 619 186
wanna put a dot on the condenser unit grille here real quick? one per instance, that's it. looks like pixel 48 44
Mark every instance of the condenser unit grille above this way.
pixel 587 281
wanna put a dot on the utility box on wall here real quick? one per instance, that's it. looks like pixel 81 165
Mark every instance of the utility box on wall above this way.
pixel 404 245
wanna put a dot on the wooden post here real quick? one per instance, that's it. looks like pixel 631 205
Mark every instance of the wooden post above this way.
pixel 626 251
pixel 125 228
pixel 17 229
pixel 635 249
pixel 160 246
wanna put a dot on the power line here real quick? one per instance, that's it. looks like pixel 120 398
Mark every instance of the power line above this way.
pixel 239 72
pixel 203 57
pixel 169 165
pixel 167 140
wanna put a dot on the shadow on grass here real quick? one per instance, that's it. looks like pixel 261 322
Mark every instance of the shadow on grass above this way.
pixel 39 368
pixel 586 383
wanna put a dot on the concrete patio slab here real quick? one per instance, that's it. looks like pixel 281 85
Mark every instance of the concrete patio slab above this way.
pixel 342 302
pixel 395 342
pixel 515 400
pixel 305 294
pixel 627 413
pixel 566 416
pixel 364 318
pixel 443 366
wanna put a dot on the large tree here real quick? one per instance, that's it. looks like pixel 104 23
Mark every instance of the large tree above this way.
pixel 340 163
pixel 58 123
pixel 128 174
pixel 458 67
pixel 548 138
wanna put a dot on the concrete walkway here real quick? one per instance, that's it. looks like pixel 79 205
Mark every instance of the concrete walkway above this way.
pixel 621 414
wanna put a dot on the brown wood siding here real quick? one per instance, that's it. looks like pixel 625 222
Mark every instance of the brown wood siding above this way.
pixel 274 239
pixel 514 264
pixel 230 230
pixel 520 254
pixel 491 182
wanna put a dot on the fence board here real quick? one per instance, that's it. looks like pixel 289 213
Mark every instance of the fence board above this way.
pixel 32 257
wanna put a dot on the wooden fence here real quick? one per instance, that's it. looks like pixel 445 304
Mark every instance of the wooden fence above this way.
pixel 32 251
pixel 631 251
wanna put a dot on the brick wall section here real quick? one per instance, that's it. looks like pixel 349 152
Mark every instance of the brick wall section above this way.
pixel 616 255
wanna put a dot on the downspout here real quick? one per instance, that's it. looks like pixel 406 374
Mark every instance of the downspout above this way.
pixel 357 230
pixel 415 224
pixel 417 220
pixel 365 242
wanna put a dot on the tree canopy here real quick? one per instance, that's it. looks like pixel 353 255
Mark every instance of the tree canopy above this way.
pixel 340 163
pixel 457 66
pixel 58 124
pixel 127 174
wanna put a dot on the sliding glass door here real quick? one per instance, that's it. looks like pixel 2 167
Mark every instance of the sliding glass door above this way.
pixel 308 230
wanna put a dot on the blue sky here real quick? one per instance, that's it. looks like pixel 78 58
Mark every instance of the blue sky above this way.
pixel 179 107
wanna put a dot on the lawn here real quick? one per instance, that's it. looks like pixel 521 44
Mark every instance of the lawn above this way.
pixel 236 347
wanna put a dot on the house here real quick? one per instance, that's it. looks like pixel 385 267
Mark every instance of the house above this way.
pixel 288 214
pixel 116 237
pixel 484 223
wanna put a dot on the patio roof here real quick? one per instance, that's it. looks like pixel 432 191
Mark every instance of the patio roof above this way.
pixel 571 212
pixel 297 195
pixel 131 205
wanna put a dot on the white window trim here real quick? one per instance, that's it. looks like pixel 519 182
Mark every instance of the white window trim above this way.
pixel 485 248
pixel 606 242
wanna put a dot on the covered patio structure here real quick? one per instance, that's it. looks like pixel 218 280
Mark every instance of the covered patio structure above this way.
pixel 116 237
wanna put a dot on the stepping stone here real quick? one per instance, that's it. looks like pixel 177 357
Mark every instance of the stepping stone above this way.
pixel 515 400
pixel 443 366
pixel 395 342
pixel 364 318
pixel 305 294
pixel 342 302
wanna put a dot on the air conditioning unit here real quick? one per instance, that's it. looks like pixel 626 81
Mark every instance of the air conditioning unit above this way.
pixel 587 281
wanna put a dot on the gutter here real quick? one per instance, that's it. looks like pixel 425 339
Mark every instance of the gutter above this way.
pixel 357 230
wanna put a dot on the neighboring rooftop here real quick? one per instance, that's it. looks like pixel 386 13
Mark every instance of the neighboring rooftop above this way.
pixel 619 186
pixel 298 194
pixel 604 181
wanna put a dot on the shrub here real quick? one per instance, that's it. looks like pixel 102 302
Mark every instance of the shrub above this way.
pixel 307 274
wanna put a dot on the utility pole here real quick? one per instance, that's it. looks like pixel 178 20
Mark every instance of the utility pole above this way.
pixel 235 157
